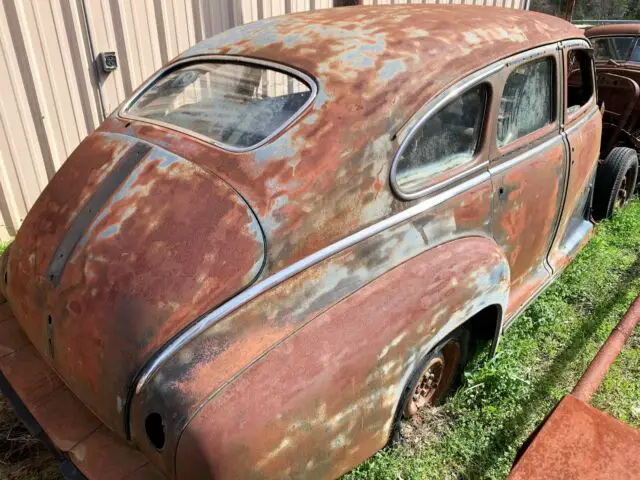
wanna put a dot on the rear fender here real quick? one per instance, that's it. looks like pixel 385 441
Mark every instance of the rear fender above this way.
pixel 237 337
pixel 324 399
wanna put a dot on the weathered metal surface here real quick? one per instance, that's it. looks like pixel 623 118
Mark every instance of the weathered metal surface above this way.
pixel 578 441
pixel 583 135
pixel 614 29
pixel 170 243
pixel 204 366
pixel 369 65
pixel 619 95
pixel 68 424
pixel 526 208
pixel 336 382
pixel 176 240
pixel 593 376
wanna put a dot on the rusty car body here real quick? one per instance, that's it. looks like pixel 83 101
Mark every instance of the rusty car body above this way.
pixel 192 297
pixel 617 59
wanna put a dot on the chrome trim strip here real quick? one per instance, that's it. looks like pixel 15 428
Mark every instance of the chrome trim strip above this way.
pixel 310 82
pixel 257 289
pixel 585 118
pixel 557 138
pixel 538 52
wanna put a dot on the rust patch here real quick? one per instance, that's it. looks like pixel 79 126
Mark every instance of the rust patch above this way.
pixel 335 400
pixel 578 441
pixel 170 243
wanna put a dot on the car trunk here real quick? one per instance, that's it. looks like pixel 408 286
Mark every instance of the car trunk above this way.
pixel 127 245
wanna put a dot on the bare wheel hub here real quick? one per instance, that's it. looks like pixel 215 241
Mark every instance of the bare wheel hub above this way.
pixel 436 378
pixel 427 386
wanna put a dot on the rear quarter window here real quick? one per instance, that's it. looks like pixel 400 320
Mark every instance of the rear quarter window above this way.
pixel 236 105
pixel 446 141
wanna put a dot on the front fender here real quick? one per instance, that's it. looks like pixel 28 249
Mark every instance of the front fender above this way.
pixel 324 399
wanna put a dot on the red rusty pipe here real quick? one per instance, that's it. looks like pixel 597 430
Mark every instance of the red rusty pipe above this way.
pixel 593 376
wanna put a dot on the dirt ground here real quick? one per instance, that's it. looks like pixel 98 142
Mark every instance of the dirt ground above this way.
pixel 21 456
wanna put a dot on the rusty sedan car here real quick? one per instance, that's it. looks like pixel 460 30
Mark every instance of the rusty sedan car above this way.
pixel 284 243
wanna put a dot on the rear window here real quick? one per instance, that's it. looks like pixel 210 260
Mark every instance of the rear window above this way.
pixel 239 105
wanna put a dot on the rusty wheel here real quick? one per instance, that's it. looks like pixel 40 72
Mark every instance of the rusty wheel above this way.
pixel 625 191
pixel 435 380
pixel 615 182
pixel 437 375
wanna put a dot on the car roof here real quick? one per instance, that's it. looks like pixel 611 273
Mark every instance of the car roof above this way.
pixel 616 29
pixel 392 56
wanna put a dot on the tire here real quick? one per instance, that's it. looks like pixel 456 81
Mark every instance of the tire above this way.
pixel 449 383
pixel 615 182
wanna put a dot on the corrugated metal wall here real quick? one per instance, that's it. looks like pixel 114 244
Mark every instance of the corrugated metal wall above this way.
pixel 51 96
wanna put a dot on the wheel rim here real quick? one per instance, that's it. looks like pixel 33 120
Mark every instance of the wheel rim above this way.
pixel 624 194
pixel 436 378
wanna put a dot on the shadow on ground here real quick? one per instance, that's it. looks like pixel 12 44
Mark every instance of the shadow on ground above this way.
pixel 480 463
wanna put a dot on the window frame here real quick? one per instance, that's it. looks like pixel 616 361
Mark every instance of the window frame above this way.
pixel 300 76
pixel 407 132
pixel 567 46
pixel 551 51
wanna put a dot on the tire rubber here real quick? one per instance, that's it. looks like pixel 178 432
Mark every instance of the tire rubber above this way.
pixel 609 177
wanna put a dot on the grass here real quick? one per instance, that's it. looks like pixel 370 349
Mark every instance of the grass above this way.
pixel 539 361
pixel 477 433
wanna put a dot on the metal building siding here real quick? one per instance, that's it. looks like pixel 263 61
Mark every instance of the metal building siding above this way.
pixel 52 97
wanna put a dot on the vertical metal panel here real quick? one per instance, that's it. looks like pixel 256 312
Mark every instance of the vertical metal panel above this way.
pixel 48 103
pixel 51 92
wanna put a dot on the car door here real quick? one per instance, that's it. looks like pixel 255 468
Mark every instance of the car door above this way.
pixel 528 169
pixel 582 126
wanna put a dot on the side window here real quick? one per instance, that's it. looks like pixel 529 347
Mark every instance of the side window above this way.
pixel 635 53
pixel 445 141
pixel 614 48
pixel 580 79
pixel 527 102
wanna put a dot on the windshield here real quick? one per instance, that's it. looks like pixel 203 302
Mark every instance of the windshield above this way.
pixel 612 48
pixel 235 104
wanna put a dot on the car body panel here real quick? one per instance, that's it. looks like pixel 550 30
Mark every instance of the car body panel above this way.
pixel 336 399
pixel 170 243
pixel 369 69
pixel 53 414
pixel 584 150
pixel 527 205
pixel 529 177
pixel 203 366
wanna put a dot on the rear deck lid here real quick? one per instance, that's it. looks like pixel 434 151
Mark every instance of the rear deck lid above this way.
pixel 127 245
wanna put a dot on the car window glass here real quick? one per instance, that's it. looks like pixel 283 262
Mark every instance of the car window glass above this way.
pixel 527 101
pixel 580 85
pixel 446 140
pixel 635 54
pixel 232 103
pixel 615 48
